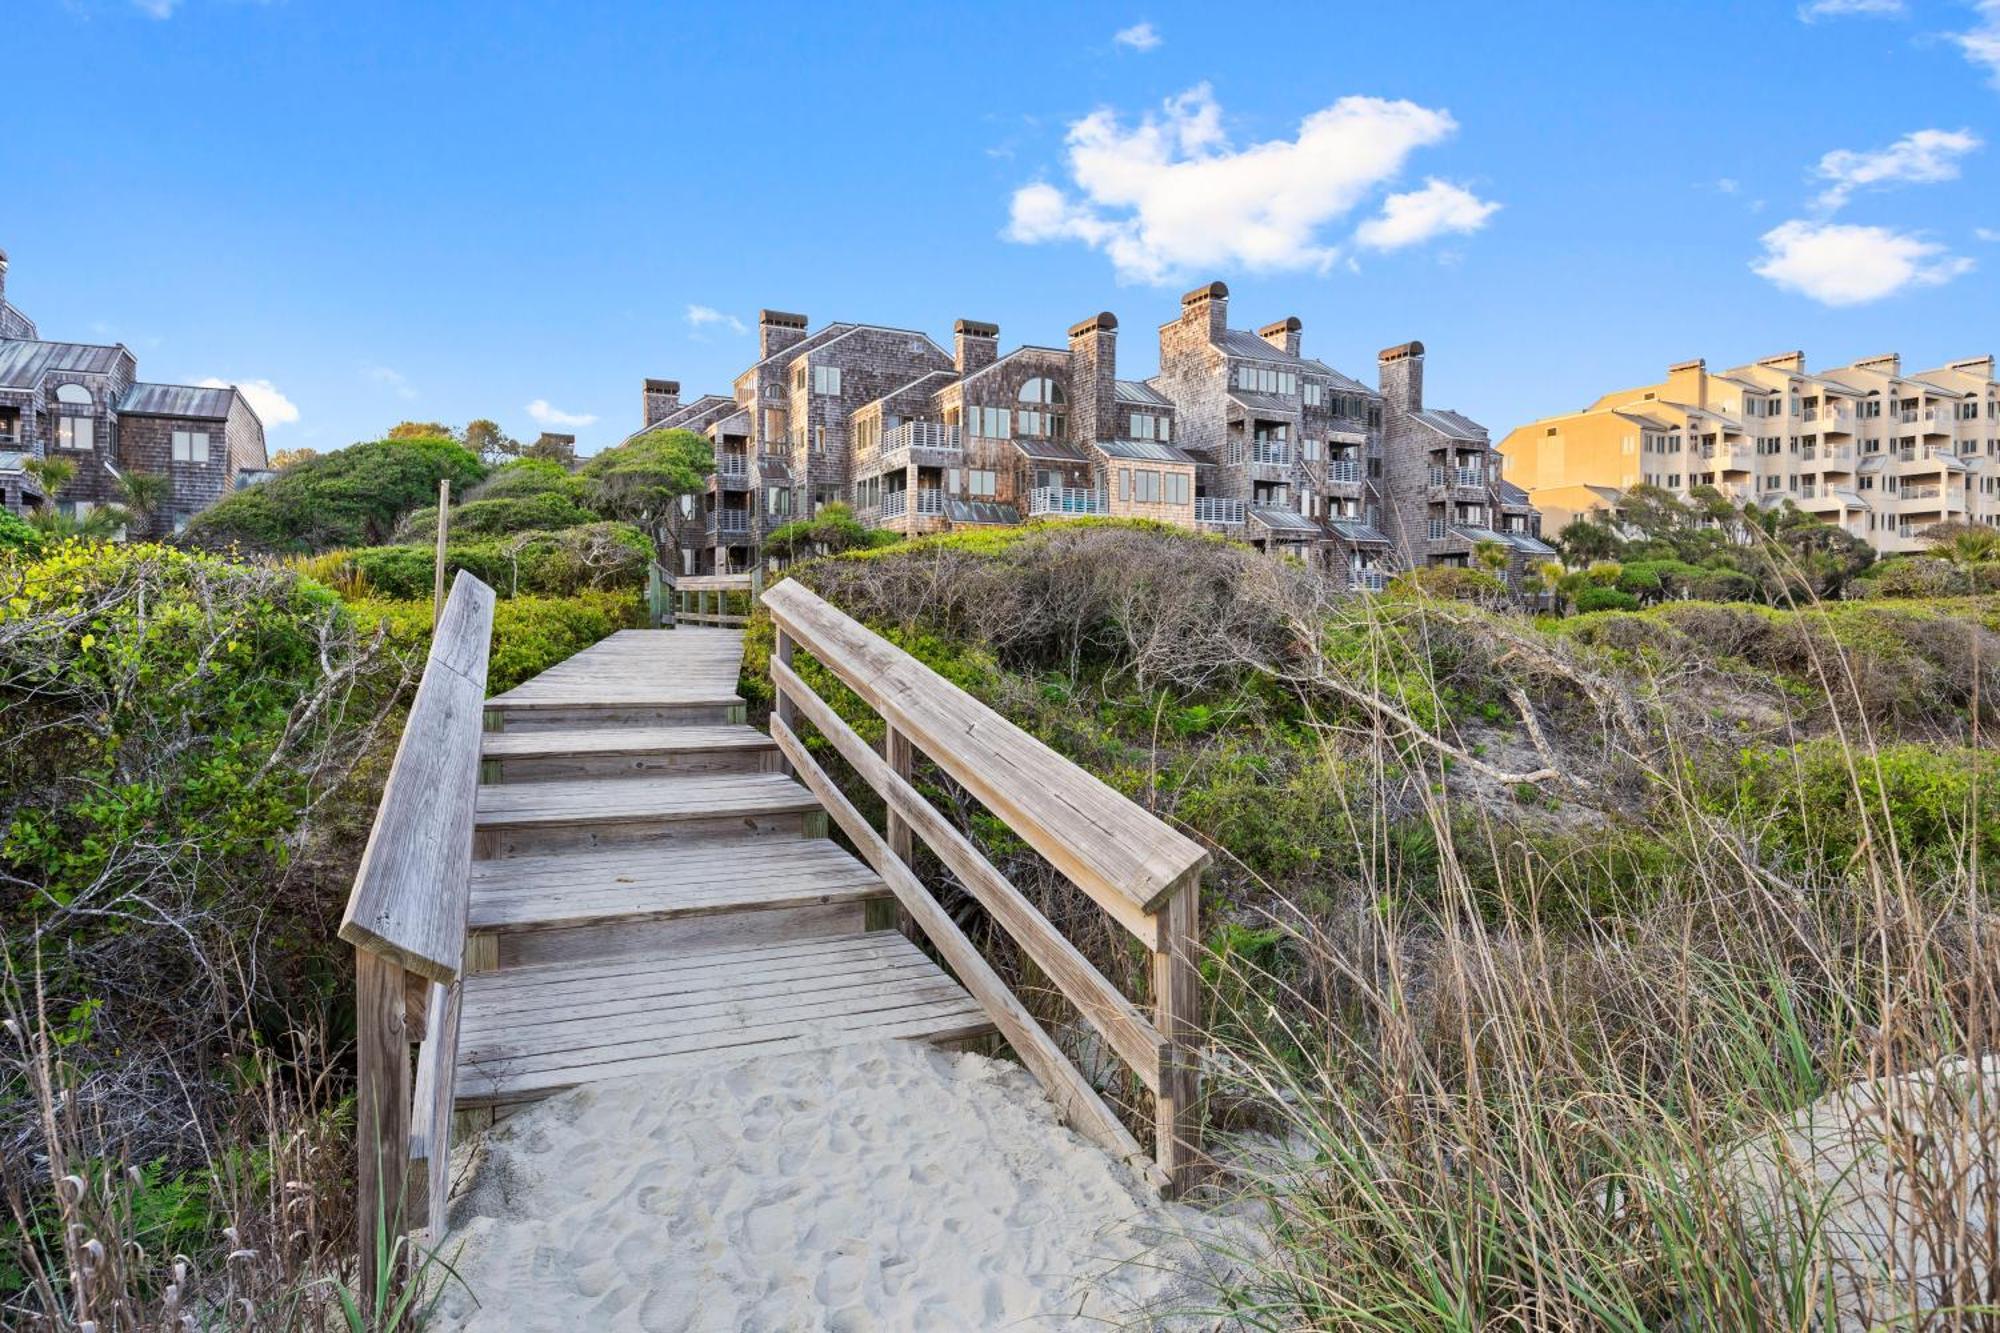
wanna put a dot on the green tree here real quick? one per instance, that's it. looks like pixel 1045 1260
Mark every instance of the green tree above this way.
pixel 829 532
pixel 493 445
pixel 553 448
pixel 421 430
pixel 285 458
pixel 350 497
pixel 1590 537
pixel 642 481
pixel 1963 544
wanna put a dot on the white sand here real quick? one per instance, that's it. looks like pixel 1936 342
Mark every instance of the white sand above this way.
pixel 881 1186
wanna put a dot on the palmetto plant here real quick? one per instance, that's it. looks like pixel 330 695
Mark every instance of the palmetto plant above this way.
pixel 145 494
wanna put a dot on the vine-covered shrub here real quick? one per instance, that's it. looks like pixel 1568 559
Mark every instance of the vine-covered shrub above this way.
pixel 497 518
pixel 552 564
pixel 16 534
pixel 351 497
pixel 530 634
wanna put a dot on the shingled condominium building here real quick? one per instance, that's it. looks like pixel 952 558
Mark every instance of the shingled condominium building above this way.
pixel 1878 453
pixel 1237 433
pixel 85 403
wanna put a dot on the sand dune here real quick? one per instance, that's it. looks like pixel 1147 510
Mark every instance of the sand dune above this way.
pixel 885 1186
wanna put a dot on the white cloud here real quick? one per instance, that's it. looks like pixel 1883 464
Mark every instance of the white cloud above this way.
pixel 546 414
pixel 157 9
pixel 1981 44
pixel 1727 185
pixel 1838 264
pixel 271 406
pixel 1140 37
pixel 1922 158
pixel 702 316
pixel 1410 219
pixel 1826 9
pixel 392 379
pixel 1170 194
pixel 1986 234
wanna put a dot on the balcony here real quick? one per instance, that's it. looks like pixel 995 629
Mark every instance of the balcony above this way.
pixel 929 503
pixel 729 522
pixel 1062 501
pixel 1273 453
pixel 1368 580
pixel 1458 478
pixel 1217 511
pixel 924 443
pixel 1344 471
pixel 732 473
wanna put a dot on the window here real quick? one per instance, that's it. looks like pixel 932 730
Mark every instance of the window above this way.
pixel 1050 425
pixel 774 425
pixel 826 379
pixel 1265 379
pixel 1146 486
pixel 1142 425
pixel 978 482
pixel 76 432
pixel 1313 392
pixel 1309 450
pixel 995 423
pixel 1042 390
pixel 1178 484
pixel 190 446
pixel 75 395
pixel 799 378
pixel 778 500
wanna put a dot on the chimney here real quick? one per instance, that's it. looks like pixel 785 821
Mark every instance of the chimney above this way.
pixel 1981 366
pixel 777 330
pixel 1093 378
pixel 1207 304
pixel 663 398
pixel 1282 334
pixel 1400 372
pixel 3 277
pixel 974 345
pixel 1792 363
pixel 1890 364
pixel 1687 382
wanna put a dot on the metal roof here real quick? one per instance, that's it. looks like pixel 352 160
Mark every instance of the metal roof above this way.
pixel 1477 534
pixel 1510 494
pixel 1522 541
pixel 1267 405
pixel 1357 532
pixel 24 363
pixel 1345 383
pixel 980 511
pixel 177 400
pixel 1285 520
pixel 1050 451
pixel 1241 342
pixel 1137 391
pixel 1144 451
pixel 1451 424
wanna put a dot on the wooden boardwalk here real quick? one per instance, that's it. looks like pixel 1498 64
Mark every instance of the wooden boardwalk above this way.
pixel 650 887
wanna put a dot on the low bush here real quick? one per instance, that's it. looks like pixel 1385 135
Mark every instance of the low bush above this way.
pixel 1824 805
pixel 17 534
pixel 530 634
pixel 550 564
pixel 350 497
pixel 546 512
pixel 524 478
pixel 1607 599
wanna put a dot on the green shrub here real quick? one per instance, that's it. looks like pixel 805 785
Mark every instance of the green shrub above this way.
pixel 1819 801
pixel 351 497
pixel 596 555
pixel 546 512
pixel 527 477
pixel 530 634
pixel 17 534
pixel 1605 599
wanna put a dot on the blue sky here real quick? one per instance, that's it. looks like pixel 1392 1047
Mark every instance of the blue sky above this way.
pixel 450 210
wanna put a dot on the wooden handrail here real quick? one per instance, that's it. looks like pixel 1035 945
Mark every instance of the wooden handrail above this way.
pixel 702 599
pixel 406 918
pixel 1143 873
pixel 1128 861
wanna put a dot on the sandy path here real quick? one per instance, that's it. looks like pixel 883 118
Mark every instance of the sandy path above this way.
pixel 884 1186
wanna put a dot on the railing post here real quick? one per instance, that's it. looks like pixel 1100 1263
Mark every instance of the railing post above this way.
pixel 784 709
pixel 1176 1013
pixel 381 1111
pixel 901 757
pixel 437 565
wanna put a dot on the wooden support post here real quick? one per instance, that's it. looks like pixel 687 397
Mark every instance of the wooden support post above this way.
pixel 381 1111
pixel 784 709
pixel 901 758
pixel 1176 1011
pixel 437 570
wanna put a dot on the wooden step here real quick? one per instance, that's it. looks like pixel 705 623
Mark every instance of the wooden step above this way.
pixel 528 818
pixel 528 910
pixel 633 678
pixel 649 708
pixel 528 756
pixel 533 1031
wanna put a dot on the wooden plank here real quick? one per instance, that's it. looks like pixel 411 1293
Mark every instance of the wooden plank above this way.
pixel 410 892
pixel 1123 857
pixel 431 1110
pixel 625 740
pixel 1135 1040
pixel 1076 1101
pixel 621 800
pixel 382 1104
pixel 676 937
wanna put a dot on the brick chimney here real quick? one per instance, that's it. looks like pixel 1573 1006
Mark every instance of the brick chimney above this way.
pixel 1207 305
pixel 663 398
pixel 974 345
pixel 1400 371
pixel 1093 378
pixel 777 330
pixel 1283 334
pixel 1687 382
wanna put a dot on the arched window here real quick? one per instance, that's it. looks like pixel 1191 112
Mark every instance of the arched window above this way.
pixel 74 393
pixel 1039 421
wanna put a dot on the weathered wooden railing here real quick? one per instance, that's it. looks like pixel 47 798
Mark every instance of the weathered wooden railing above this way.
pixel 708 599
pixel 406 920
pixel 1141 872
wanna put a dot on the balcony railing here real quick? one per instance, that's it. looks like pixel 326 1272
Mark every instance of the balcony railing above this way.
pixel 730 520
pixel 1469 477
pixel 1343 469
pixel 1066 500
pixel 1215 509
pixel 930 436
pixel 1370 580
pixel 732 465
pixel 1920 492
pixel 930 501
pixel 1271 452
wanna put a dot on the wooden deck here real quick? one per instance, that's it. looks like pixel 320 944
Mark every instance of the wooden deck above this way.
pixel 650 889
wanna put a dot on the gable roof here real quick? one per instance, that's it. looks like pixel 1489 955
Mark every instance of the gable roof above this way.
pixel 1143 451
pixel 1243 343
pixel 23 363
pixel 1451 425
pixel 1137 391
pixel 178 400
